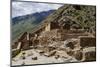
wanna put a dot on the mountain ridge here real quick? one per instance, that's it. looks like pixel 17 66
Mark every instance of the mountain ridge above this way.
pixel 19 18
pixel 25 23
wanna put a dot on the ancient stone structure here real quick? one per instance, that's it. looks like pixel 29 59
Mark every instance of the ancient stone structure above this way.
pixel 62 25
pixel 87 41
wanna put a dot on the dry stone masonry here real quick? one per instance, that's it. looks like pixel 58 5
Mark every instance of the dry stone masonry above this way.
pixel 67 35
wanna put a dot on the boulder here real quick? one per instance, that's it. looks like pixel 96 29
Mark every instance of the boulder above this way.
pixel 52 53
pixel 70 44
pixel 57 56
pixel 78 55
pixel 34 58
pixel 70 53
pixel 23 57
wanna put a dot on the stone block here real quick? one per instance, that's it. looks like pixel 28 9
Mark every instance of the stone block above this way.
pixel 87 41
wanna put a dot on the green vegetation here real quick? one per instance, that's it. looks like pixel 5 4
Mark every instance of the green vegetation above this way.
pixel 22 27
pixel 27 23
pixel 81 15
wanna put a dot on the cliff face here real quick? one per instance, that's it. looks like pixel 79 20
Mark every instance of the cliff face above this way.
pixel 76 16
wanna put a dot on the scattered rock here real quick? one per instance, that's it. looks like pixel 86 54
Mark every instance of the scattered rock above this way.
pixel 23 53
pixel 78 55
pixel 64 57
pixel 14 60
pixel 70 53
pixel 30 54
pixel 52 53
pixel 34 58
pixel 57 56
pixel 41 52
pixel 51 48
pixel 23 57
pixel 23 63
pixel 70 44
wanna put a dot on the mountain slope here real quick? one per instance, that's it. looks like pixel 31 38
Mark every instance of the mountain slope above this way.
pixel 80 16
pixel 25 23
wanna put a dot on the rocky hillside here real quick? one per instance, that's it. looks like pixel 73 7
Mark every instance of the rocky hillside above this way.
pixel 81 17
pixel 71 41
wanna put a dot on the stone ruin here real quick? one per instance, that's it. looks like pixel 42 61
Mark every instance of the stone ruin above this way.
pixel 76 40
pixel 79 46
pixel 87 41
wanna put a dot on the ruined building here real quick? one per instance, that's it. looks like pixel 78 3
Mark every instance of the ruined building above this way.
pixel 69 21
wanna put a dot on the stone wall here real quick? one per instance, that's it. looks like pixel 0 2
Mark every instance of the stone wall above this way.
pixel 48 26
pixel 87 41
